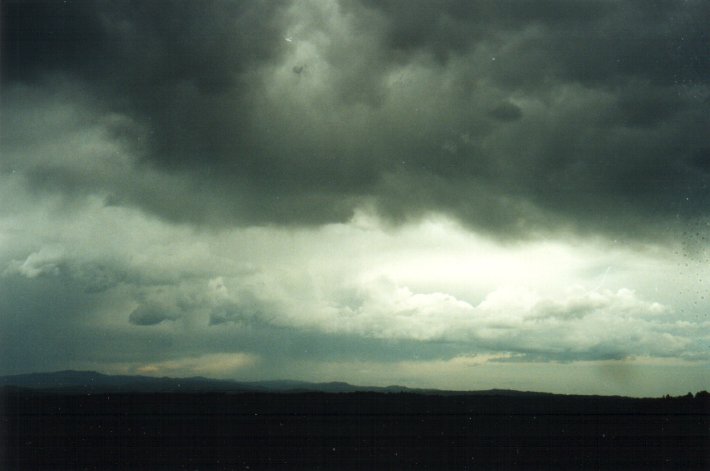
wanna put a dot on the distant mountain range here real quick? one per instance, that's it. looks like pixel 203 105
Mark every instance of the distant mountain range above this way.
pixel 71 381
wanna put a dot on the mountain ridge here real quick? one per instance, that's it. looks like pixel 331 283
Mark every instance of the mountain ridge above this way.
pixel 72 381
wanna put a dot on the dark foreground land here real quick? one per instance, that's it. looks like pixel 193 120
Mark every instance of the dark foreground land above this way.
pixel 40 430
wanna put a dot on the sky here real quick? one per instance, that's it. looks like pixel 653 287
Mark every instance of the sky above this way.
pixel 456 194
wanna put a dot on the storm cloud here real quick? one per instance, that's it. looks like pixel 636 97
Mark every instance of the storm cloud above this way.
pixel 515 118
pixel 364 188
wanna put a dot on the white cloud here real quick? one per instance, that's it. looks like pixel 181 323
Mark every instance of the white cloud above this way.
pixel 510 319
pixel 555 300
pixel 46 261
pixel 569 324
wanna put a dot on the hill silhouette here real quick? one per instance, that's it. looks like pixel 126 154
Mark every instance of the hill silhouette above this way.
pixel 91 381
pixel 85 420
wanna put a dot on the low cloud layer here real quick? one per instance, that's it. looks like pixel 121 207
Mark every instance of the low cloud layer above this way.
pixel 119 291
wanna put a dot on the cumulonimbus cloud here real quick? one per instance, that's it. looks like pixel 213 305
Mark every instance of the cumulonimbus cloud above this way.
pixel 515 120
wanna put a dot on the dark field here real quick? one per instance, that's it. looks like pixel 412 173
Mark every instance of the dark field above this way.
pixel 350 431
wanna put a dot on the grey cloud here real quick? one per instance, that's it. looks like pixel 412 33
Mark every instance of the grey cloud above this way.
pixel 43 35
pixel 515 117
pixel 43 323
pixel 52 323
pixel 99 277
pixel 150 315
pixel 506 112
pixel 90 273
pixel 46 261
pixel 701 160
pixel 238 312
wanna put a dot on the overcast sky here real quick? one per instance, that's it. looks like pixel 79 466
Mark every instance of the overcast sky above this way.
pixel 452 194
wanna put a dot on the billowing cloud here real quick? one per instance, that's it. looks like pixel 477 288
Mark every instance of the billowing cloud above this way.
pixel 44 262
pixel 576 324
pixel 514 119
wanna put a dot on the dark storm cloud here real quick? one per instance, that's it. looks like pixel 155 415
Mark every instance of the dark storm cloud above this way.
pixel 506 112
pixel 152 44
pixel 38 36
pixel 511 116
pixel 150 315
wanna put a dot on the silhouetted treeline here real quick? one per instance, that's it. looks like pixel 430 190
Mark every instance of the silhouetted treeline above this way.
pixel 351 431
